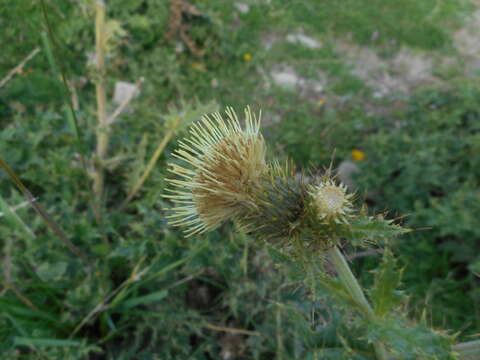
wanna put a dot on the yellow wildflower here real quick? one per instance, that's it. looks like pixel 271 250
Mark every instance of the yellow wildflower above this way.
pixel 358 155
pixel 247 57
pixel 198 66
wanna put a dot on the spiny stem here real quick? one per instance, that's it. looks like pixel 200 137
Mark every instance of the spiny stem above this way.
pixel 351 284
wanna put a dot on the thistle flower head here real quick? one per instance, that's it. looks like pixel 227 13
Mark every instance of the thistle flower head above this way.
pixel 331 201
pixel 222 165
pixel 280 205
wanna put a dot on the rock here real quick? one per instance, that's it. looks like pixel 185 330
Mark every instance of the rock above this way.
pixel 242 7
pixel 298 38
pixel 467 43
pixel 123 91
pixel 286 77
pixel 345 173
pixel 388 76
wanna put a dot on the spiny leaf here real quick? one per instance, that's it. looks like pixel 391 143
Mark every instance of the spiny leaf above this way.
pixel 337 290
pixel 366 229
pixel 387 278
pixel 410 341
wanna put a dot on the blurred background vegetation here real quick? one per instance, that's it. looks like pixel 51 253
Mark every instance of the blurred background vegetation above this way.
pixel 385 90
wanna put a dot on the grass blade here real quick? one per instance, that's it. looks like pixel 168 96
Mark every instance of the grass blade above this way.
pixel 46 342
pixel 61 71
pixel 155 296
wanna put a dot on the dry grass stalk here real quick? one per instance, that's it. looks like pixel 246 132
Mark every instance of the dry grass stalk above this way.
pixel 19 206
pixel 19 219
pixel 103 305
pixel 18 69
pixel 153 160
pixel 7 275
pixel 232 330
pixel 7 266
pixel 56 229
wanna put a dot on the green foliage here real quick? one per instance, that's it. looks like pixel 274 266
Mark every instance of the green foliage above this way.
pixel 146 292
pixel 411 341
pixel 403 337
pixel 424 171
pixel 413 23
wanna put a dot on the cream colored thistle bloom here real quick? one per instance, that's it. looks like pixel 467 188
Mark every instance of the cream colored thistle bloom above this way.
pixel 332 201
pixel 222 165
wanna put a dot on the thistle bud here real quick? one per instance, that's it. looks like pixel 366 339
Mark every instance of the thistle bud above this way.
pixel 331 201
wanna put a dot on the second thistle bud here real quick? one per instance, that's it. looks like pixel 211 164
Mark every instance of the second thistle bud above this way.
pixel 331 201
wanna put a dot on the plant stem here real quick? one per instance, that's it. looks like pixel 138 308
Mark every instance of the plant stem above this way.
pixel 353 287
pixel 17 69
pixel 103 130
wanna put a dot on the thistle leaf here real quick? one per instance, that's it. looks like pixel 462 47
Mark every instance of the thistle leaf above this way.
pixel 365 230
pixel 295 269
pixel 410 341
pixel 387 278
pixel 337 291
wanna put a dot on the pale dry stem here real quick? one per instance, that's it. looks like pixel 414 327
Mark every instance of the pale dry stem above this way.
pixel 18 69
pixel 153 160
